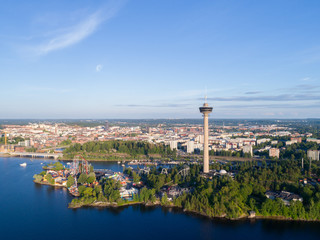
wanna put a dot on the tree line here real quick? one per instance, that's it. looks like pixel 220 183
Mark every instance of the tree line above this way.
pixel 132 148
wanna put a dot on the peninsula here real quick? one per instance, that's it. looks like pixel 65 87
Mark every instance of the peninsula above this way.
pixel 234 190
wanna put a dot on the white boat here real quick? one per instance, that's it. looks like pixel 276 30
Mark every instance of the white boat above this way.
pixel 119 162
pixel 23 164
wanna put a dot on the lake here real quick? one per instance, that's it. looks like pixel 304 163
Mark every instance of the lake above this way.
pixel 32 211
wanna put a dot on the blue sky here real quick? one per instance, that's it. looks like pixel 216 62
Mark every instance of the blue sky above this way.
pixel 154 59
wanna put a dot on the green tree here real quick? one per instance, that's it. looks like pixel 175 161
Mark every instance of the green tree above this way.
pixel 50 178
pixel 58 166
pixel 70 181
pixel 136 177
pixel 81 189
pixel 91 177
pixel 164 199
pixel 88 192
pixel 82 178
pixel 37 177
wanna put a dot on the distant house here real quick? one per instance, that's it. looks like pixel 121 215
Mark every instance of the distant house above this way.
pixel 288 143
pixel 263 140
pixel 176 191
pixel 285 196
pixel 19 149
pixel 274 142
pixel 296 139
pixel 128 193
pixel 274 152
pixel 252 214
pixel 313 140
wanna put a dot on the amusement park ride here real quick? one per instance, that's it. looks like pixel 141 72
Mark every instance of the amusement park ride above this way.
pixel 79 165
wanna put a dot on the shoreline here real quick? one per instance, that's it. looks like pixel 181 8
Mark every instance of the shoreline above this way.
pixel 156 204
pixel 49 184
pixel 54 185
pixel 4 155
pixel 220 158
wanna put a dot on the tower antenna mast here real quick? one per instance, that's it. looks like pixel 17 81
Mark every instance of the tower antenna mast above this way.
pixel 205 95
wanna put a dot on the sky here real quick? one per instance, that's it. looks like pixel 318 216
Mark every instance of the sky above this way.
pixel 159 59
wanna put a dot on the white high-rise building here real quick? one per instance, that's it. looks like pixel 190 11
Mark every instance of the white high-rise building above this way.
pixel 190 146
pixel 173 145
pixel 247 149
pixel 313 155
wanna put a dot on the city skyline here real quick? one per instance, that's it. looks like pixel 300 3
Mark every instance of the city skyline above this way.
pixel 149 59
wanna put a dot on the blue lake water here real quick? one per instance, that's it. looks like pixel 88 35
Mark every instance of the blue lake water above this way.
pixel 31 211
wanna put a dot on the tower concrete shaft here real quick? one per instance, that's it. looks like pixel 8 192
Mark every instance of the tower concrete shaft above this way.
pixel 205 110
pixel 206 143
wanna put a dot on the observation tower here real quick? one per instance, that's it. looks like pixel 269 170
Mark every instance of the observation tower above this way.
pixel 205 110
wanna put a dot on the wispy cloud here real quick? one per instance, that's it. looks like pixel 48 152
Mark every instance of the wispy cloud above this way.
pixel 306 79
pixel 281 97
pixel 301 92
pixel 255 92
pixel 305 87
pixel 66 37
pixel 72 36
pixel 271 106
pixel 165 105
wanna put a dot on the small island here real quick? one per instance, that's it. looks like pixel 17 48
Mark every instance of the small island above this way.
pixel 233 190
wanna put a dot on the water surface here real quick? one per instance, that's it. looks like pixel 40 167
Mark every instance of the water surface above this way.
pixel 32 211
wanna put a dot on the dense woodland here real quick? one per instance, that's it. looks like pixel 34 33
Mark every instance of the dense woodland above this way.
pixel 131 148
pixel 223 196
pixel 229 153
pixel 234 198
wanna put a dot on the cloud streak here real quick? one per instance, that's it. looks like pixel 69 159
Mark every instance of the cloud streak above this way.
pixel 155 106
pixel 72 36
pixel 67 37
pixel 271 106
pixel 255 92
pixel 281 97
